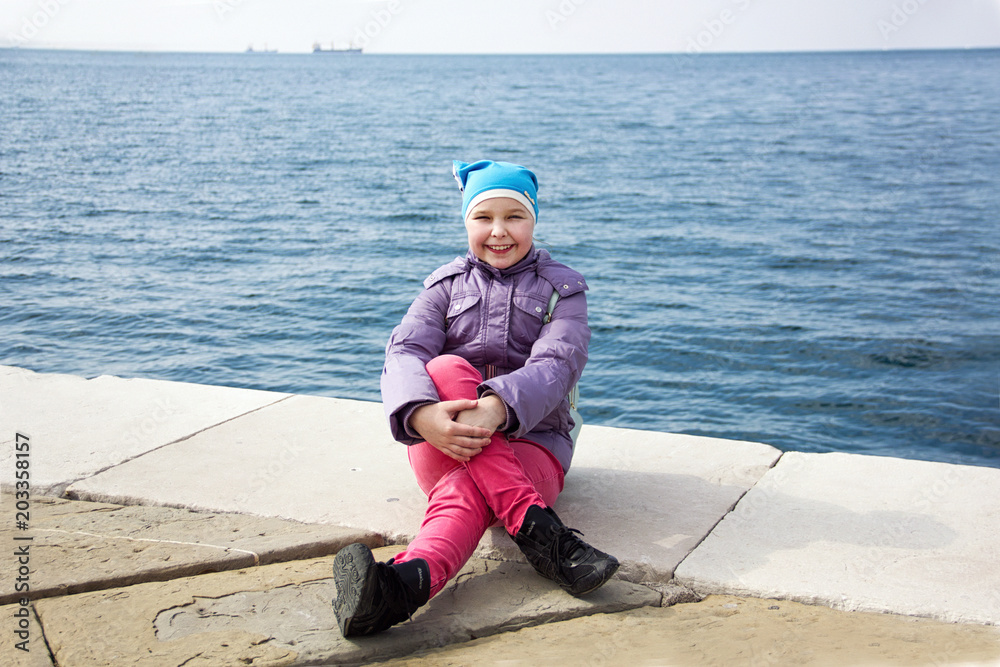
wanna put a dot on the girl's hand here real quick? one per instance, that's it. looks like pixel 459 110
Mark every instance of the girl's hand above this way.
pixel 489 413
pixel 436 423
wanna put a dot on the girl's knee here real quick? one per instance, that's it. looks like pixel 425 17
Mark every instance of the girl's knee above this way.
pixel 453 377
pixel 450 363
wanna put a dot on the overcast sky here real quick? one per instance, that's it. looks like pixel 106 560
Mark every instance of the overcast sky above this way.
pixel 495 26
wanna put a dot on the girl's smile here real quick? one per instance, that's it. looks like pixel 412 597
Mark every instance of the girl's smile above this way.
pixel 500 231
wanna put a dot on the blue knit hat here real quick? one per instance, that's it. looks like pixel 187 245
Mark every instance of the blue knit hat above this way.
pixel 487 179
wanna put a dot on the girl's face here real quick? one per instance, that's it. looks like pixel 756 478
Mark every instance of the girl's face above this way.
pixel 500 231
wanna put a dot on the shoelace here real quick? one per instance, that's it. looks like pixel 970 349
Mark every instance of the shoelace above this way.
pixel 565 543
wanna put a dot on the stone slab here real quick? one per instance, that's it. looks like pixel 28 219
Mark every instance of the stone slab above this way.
pixel 724 630
pixel 862 533
pixel 649 498
pixel 78 427
pixel 307 458
pixel 282 615
pixel 80 546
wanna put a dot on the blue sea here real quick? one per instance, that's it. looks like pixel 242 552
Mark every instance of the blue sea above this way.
pixel 797 249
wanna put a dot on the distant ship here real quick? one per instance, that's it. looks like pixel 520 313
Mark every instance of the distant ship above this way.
pixel 250 49
pixel 318 48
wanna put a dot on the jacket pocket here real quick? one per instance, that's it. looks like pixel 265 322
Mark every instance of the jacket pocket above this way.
pixel 527 319
pixel 463 318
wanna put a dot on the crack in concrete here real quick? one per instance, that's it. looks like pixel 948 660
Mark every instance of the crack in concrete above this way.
pixel 45 640
pixel 724 515
pixel 196 655
pixel 263 613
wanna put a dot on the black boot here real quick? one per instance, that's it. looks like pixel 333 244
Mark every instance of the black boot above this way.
pixel 558 554
pixel 372 597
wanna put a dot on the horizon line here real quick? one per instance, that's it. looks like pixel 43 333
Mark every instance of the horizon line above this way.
pixel 17 47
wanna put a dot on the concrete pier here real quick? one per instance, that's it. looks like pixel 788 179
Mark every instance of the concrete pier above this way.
pixel 170 523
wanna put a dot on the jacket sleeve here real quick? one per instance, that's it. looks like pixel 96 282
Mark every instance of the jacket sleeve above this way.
pixel 554 366
pixel 416 340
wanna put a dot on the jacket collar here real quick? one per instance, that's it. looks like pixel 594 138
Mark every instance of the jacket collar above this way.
pixel 526 263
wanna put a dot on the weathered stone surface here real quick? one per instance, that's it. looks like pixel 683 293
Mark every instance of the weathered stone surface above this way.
pixel 79 427
pixel 725 630
pixel 282 615
pixel 22 650
pixel 647 497
pixel 80 546
pixel 862 533
pixel 848 531
pixel 308 458
pixel 673 593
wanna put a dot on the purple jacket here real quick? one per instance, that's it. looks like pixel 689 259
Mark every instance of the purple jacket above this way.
pixel 493 318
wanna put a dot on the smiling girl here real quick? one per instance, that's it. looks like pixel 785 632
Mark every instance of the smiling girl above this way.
pixel 475 382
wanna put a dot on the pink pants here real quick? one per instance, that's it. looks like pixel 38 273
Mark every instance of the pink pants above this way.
pixel 497 486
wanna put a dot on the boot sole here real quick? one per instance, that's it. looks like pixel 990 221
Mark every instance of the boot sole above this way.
pixel 354 587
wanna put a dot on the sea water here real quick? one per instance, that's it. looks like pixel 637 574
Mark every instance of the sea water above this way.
pixel 797 249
